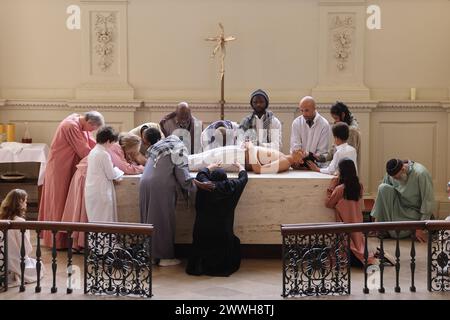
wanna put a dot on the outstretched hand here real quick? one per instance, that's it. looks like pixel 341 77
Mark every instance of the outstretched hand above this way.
pixel 238 166
pixel 206 186
pixel 214 166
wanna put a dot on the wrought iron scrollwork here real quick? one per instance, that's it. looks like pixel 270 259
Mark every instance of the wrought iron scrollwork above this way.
pixel 3 261
pixel 439 261
pixel 316 265
pixel 118 264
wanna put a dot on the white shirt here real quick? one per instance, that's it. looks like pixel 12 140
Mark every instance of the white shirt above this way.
pixel 275 133
pixel 342 151
pixel 100 195
pixel 315 139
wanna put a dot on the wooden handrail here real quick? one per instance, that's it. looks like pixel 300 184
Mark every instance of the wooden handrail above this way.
pixel 4 224
pixel 352 227
pixel 438 225
pixel 134 228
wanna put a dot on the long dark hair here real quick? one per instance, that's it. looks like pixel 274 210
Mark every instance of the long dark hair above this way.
pixel 11 206
pixel 348 177
pixel 338 108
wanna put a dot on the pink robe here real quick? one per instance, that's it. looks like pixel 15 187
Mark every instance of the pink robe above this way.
pixel 75 209
pixel 348 211
pixel 70 144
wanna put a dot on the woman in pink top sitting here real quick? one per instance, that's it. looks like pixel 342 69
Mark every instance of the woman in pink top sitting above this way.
pixel 125 156
pixel 345 196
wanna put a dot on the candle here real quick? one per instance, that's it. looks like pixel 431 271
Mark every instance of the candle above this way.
pixel 10 132
pixel 413 94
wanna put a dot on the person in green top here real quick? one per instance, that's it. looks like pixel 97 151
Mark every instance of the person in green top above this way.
pixel 406 194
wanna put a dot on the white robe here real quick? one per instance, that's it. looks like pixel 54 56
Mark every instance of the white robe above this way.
pixel 227 156
pixel 14 245
pixel 100 195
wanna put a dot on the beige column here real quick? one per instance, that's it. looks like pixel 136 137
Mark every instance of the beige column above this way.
pixel 104 51
pixel 341 51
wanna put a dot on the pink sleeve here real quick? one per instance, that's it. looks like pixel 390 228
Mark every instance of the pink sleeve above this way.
pixel 119 161
pixel 77 139
pixel 334 198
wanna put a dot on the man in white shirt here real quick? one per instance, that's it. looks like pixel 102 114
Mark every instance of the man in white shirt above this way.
pixel 341 132
pixel 310 131
pixel 261 127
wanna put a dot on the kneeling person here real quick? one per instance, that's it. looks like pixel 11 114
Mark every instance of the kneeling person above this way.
pixel 215 248
pixel 406 194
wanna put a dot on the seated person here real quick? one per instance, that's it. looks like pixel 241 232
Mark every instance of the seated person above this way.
pixel 219 134
pixel 345 196
pixel 13 208
pixel 406 194
pixel 343 150
pixel 215 248
pixel 139 131
pixel 257 159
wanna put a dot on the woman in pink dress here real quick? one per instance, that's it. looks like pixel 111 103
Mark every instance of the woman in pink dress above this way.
pixel 125 156
pixel 345 196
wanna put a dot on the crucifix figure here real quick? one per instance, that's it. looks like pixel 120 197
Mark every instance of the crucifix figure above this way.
pixel 221 41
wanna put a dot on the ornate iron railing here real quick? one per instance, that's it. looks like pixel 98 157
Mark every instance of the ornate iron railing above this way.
pixel 117 257
pixel 3 256
pixel 316 258
pixel 438 256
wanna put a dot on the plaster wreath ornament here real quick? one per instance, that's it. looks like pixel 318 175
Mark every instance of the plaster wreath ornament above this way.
pixel 104 31
pixel 342 48
pixel 342 40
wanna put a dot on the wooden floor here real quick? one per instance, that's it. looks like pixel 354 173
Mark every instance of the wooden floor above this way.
pixel 256 279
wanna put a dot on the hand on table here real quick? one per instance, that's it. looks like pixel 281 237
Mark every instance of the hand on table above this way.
pixel 238 166
pixel 312 166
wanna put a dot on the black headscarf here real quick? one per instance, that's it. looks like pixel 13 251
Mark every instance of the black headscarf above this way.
pixel 219 175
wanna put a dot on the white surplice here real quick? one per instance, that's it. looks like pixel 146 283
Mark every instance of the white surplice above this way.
pixel 100 195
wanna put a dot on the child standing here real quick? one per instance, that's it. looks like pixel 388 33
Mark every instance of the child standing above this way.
pixel 100 195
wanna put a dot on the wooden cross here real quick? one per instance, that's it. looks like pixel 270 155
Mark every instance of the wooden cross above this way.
pixel 221 41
